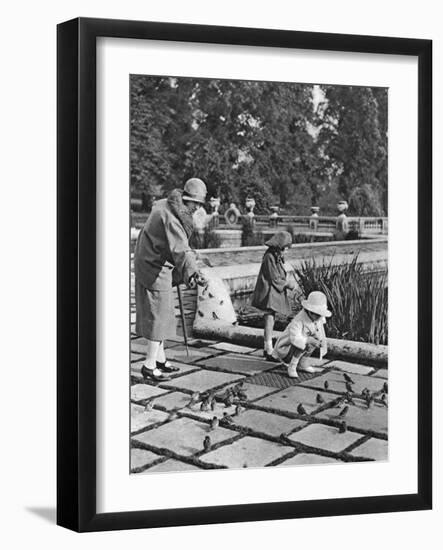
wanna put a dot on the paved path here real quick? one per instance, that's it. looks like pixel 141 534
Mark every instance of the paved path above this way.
pixel 262 423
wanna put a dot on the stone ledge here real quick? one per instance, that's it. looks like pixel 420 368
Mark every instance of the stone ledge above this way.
pixel 362 352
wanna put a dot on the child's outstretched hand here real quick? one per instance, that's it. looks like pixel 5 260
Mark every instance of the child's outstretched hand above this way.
pixel 313 342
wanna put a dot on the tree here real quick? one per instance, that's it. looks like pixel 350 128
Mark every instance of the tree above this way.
pixel 353 137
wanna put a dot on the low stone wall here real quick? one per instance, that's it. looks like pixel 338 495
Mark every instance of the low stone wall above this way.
pixel 253 254
pixel 240 275
pixel 253 337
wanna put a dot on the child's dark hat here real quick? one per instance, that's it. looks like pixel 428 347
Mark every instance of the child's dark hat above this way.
pixel 280 240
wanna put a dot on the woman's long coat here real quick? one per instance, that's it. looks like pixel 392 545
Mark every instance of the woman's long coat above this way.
pixel 162 258
pixel 270 293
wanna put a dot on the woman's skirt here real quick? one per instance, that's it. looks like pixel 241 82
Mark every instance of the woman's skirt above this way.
pixel 154 313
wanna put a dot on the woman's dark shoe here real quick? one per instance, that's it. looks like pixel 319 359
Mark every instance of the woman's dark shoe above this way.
pixel 150 374
pixel 269 357
pixel 166 367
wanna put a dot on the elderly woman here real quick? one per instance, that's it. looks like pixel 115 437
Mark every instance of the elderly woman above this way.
pixel 271 289
pixel 163 258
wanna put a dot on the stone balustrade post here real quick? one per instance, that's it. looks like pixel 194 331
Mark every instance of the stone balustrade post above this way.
pixel 273 218
pixel 342 224
pixel 313 222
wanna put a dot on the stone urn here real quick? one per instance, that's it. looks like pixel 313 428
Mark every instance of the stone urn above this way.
pixel 314 211
pixel 342 224
pixel 214 203
pixel 250 205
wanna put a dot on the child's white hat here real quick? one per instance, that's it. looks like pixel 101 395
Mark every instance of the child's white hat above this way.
pixel 317 303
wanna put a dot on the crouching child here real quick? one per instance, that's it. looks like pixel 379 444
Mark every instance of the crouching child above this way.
pixel 303 335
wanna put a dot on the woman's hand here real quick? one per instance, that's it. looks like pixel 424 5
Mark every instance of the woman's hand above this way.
pixel 197 279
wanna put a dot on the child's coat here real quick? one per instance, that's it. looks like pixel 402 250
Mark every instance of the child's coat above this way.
pixel 292 344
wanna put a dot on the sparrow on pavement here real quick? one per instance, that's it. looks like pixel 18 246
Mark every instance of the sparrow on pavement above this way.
pixel 214 423
pixel 301 409
pixel 369 399
pixel 349 399
pixel 238 409
pixel 207 443
pixel 348 378
pixel 319 398
pixel 326 384
pixel 343 427
pixel 228 400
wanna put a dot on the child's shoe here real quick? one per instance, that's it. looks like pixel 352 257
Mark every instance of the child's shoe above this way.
pixel 270 357
pixel 292 371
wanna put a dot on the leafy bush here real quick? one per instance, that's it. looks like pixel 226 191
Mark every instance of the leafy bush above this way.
pixel 358 299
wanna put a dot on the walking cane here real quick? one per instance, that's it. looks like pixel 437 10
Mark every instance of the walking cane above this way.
pixel 182 315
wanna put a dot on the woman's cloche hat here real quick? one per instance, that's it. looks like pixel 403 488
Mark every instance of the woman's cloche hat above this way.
pixel 195 190
pixel 317 303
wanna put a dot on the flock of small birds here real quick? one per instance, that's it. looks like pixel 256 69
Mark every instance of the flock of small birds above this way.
pixel 347 398
pixel 236 394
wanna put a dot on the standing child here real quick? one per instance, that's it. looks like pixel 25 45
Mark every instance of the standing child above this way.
pixel 303 335
pixel 271 289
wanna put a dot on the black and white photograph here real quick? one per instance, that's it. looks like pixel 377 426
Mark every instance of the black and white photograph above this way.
pixel 259 274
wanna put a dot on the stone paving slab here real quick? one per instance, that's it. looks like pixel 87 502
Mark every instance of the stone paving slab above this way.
pixel 268 423
pixel 351 368
pixel 337 382
pixel 201 381
pixel 138 348
pixel 183 436
pixel 141 458
pixel 226 346
pixel 288 399
pixel 256 353
pixel 377 449
pixel 381 373
pixel 238 364
pixel 171 465
pixel 174 400
pixel 247 452
pixel 136 357
pixel 359 416
pixel 178 353
pixel 141 419
pixel 145 391
pixel 308 458
pixel 324 437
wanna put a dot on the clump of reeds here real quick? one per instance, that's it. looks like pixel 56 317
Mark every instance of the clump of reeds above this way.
pixel 357 298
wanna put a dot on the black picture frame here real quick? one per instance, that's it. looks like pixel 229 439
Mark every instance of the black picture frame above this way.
pixel 76 280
